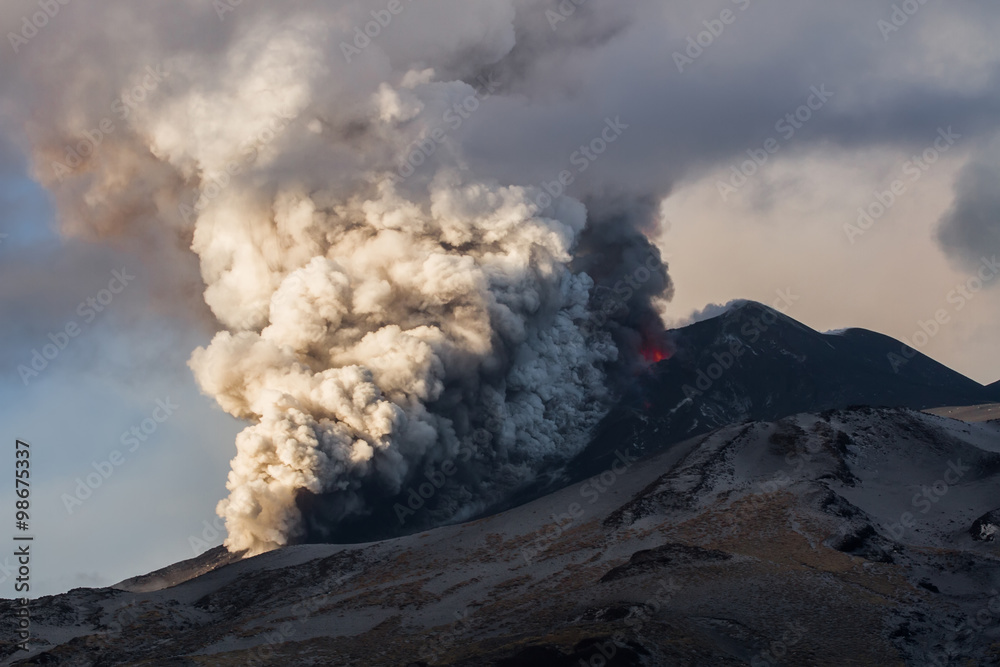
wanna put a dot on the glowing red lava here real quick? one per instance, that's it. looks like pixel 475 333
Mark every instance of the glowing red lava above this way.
pixel 654 353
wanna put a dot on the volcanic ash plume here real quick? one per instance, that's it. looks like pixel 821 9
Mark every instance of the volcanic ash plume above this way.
pixel 376 328
pixel 416 326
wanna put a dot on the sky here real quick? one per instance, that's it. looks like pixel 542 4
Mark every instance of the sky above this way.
pixel 843 157
pixel 151 509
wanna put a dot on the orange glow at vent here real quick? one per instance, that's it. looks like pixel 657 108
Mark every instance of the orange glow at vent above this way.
pixel 654 353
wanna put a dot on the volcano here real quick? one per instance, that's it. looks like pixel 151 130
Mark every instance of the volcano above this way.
pixel 795 542
pixel 726 511
pixel 752 363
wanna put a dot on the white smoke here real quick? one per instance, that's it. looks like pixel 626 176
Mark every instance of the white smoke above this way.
pixel 408 304
pixel 372 325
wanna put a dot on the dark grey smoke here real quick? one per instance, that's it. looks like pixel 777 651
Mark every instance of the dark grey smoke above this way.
pixel 971 228
pixel 631 278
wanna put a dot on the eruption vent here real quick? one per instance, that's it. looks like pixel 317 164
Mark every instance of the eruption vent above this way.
pixel 654 353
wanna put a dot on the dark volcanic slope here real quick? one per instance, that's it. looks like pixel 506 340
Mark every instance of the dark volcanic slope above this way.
pixel 994 390
pixel 753 363
pixel 796 542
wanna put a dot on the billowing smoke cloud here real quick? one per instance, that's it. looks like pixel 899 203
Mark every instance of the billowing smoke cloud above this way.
pixel 416 325
pixel 631 280
pixel 971 228
pixel 385 313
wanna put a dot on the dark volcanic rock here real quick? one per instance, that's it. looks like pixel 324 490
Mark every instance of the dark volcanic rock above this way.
pixel 667 555
pixel 994 390
pixel 755 364
pixel 987 527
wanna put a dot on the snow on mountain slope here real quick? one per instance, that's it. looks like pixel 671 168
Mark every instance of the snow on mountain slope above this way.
pixel 801 541
pixel 969 413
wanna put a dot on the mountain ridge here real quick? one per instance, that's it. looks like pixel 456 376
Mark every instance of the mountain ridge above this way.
pixel 753 363
pixel 795 538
